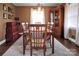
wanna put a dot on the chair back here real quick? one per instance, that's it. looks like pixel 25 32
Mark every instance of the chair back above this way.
pixel 25 27
pixel 37 34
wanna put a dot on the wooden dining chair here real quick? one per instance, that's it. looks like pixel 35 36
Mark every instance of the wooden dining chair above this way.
pixel 25 33
pixel 38 37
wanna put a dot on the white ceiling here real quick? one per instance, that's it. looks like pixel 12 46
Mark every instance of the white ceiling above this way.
pixel 36 4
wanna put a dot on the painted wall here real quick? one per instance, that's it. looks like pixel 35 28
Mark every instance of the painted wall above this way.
pixel 78 27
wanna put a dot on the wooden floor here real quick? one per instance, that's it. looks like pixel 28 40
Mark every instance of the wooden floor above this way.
pixel 71 46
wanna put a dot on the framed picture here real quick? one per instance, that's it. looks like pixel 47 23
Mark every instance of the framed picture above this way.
pixel 9 16
pixel 4 16
pixel 4 7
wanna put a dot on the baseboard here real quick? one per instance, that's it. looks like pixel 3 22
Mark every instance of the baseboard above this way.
pixel 3 41
pixel 73 41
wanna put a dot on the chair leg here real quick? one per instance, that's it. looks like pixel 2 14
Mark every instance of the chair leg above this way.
pixel 50 41
pixel 31 49
pixel 24 37
pixel 44 51
pixel 31 52
pixel 52 44
pixel 23 50
pixel 52 49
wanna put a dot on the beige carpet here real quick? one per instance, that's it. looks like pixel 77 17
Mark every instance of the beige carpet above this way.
pixel 16 50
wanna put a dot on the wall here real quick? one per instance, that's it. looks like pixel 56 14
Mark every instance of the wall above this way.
pixel 3 21
pixel 1 30
pixel 23 12
pixel 78 27
pixel 66 21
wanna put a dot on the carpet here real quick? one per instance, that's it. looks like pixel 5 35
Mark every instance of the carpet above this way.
pixel 17 50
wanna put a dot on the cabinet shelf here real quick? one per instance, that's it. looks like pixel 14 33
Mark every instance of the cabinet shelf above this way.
pixel 4 7
pixel 58 21
pixel 8 11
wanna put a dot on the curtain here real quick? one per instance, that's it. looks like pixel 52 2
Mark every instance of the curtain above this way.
pixel 37 16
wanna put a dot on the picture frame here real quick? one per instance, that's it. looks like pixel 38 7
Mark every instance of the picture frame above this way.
pixel 9 16
pixel 4 7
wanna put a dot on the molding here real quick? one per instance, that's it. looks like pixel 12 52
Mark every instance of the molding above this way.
pixel 3 41
pixel 36 4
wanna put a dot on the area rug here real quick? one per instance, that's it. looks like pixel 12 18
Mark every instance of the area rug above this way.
pixel 17 50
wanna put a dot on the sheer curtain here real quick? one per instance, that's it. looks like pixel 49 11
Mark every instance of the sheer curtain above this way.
pixel 37 16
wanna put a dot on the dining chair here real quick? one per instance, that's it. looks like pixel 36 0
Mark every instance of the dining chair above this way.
pixel 25 32
pixel 38 37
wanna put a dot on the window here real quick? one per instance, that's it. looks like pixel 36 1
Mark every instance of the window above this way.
pixel 37 16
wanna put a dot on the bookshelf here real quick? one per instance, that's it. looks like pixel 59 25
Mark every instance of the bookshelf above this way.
pixel 8 11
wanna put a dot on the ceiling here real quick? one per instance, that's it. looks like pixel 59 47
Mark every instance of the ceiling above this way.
pixel 36 4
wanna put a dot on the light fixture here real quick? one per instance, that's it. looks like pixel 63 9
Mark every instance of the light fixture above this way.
pixel 39 7
pixel 27 23
pixel 50 23
pixel 23 23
